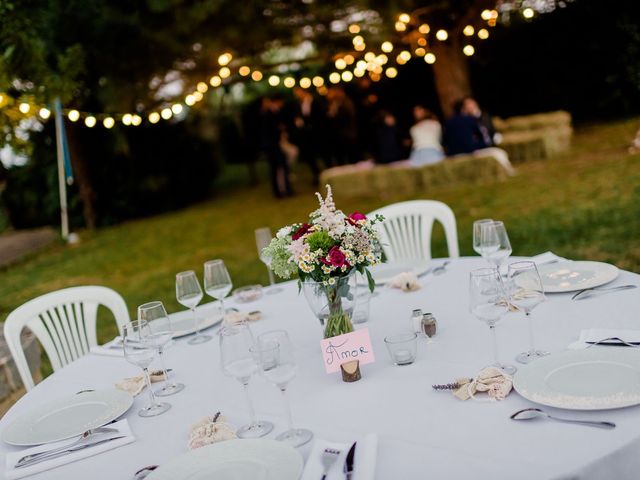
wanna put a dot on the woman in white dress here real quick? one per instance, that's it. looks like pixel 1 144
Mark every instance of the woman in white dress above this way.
pixel 426 136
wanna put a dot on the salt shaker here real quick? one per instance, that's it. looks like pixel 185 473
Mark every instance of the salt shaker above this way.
pixel 428 325
pixel 416 320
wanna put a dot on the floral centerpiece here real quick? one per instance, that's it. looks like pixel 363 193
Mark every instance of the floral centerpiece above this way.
pixel 325 253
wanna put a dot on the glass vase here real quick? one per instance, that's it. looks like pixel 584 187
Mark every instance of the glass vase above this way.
pixel 332 304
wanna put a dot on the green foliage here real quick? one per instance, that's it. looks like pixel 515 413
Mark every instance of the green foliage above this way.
pixel 320 241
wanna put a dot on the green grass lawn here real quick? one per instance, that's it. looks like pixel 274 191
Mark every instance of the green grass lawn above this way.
pixel 583 205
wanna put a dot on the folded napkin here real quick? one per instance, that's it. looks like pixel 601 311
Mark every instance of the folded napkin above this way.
pixel 364 460
pixel 491 380
pixel 12 473
pixel 588 336
pixel 546 257
pixel 233 318
pixel 135 385
pixel 406 281
pixel 210 430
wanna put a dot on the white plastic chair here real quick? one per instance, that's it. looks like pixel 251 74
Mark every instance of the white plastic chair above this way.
pixel 64 322
pixel 405 233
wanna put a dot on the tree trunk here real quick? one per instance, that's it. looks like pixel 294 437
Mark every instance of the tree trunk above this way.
pixel 82 176
pixel 451 73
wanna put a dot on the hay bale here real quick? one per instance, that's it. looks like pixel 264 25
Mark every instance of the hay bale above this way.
pixel 525 146
pixel 537 121
pixel 347 183
pixel 387 180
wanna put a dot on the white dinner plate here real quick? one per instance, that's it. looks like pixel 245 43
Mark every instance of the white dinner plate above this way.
pixel 182 322
pixel 384 272
pixel 599 378
pixel 67 417
pixel 254 459
pixel 571 276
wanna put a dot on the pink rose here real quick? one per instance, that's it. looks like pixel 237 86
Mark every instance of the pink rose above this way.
pixel 301 231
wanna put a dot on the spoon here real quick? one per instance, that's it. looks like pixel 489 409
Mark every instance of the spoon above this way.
pixel 440 269
pixel 531 413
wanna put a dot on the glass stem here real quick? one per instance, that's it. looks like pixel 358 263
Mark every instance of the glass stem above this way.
pixel 287 407
pixel 532 347
pixel 495 342
pixel 196 324
pixel 252 413
pixel 272 280
pixel 163 366
pixel 224 312
pixel 147 379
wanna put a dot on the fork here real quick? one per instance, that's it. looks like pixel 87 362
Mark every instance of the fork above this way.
pixel 587 292
pixel 617 340
pixel 440 269
pixel 329 457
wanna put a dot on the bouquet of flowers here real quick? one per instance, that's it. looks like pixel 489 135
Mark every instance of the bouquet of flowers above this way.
pixel 325 251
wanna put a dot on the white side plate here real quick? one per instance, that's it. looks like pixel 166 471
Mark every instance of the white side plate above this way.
pixel 67 417
pixel 571 276
pixel 208 314
pixel 598 378
pixel 255 459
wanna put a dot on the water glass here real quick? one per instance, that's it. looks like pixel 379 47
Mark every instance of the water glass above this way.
pixel 495 246
pixel 159 334
pixel 263 239
pixel 361 310
pixel 238 362
pixel 274 355
pixel 217 282
pixel 141 354
pixel 189 294
pixel 477 234
pixel 402 347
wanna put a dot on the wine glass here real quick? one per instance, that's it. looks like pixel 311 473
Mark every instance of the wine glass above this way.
pixel 494 243
pixel 488 303
pixel 189 294
pixel 477 234
pixel 274 355
pixel 263 239
pixel 159 334
pixel 237 361
pixel 141 354
pixel 526 292
pixel 217 282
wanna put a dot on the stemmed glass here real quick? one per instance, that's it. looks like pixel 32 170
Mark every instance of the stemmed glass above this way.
pixel 488 303
pixel 189 294
pixel 159 334
pixel 217 282
pixel 263 239
pixel 274 355
pixel 526 292
pixel 237 361
pixel 477 234
pixel 494 243
pixel 141 354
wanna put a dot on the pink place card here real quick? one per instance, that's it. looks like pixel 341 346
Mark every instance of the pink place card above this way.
pixel 345 348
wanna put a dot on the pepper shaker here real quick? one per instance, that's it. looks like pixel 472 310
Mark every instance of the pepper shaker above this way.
pixel 428 325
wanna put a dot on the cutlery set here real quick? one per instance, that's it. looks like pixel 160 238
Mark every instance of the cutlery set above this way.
pixel 330 457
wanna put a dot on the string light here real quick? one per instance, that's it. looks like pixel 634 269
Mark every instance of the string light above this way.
pixel 176 109
pixel 391 72
pixel 341 64
pixel 90 121
pixel 349 59
pixel 305 82
pixel 334 77
pixel 215 81
pixel 73 115
pixel 190 100
pixel 244 71
pixel 318 81
pixel 126 119
pixel 405 55
pixel 357 40
pixel 347 76
pixel 289 82
pixel 358 72
pixel 108 122
pixel 24 108
pixel 400 60
pixel 370 56
pixel 361 65
pixel 382 59
pixel 387 47
pixel 468 30
pixel 360 47
pixel 404 18
pixel 442 35
pixel 420 52
pixel 154 117
pixel 274 80
pixel 430 58
pixel 483 34
pixel 166 113
pixel 256 75
pixel 422 42
pixel 136 120
pixel 486 15
pixel 401 27
pixel 353 28
pixel 197 96
pixel 468 50
pixel 528 13
pixel 44 113
pixel 224 59
pixel 424 28
pixel 224 72
pixel 202 87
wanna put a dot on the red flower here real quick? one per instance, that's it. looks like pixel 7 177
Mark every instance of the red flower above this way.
pixel 301 231
pixel 355 217
pixel 336 258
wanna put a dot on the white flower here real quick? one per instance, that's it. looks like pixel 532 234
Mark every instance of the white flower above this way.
pixel 283 232
pixel 332 281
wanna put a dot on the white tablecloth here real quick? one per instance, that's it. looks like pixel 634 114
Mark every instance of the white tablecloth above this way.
pixel 422 433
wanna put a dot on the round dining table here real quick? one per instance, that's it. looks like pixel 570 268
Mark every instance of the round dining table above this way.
pixel 422 433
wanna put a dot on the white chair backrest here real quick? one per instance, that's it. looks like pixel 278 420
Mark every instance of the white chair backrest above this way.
pixel 64 322
pixel 405 233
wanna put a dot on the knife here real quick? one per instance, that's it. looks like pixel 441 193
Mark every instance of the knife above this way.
pixel 58 453
pixel 348 463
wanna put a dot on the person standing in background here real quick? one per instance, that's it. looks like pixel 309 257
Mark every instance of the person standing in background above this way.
pixel 272 130
pixel 308 130
pixel 342 133
pixel 388 144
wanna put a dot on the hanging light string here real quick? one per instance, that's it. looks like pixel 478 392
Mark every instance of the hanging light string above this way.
pixel 356 64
